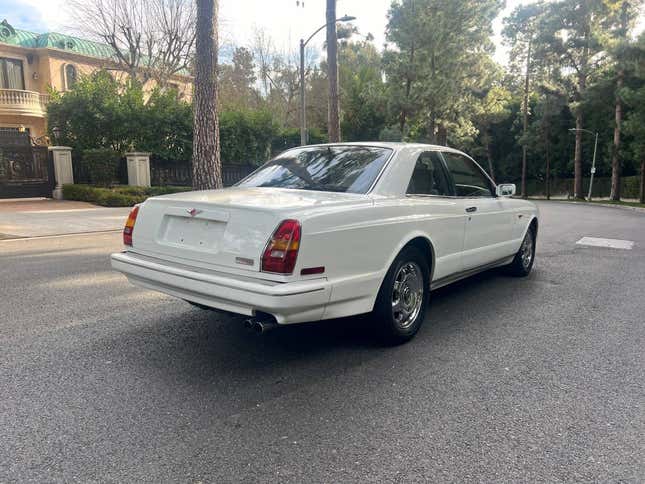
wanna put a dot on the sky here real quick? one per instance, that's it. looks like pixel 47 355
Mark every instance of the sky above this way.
pixel 285 21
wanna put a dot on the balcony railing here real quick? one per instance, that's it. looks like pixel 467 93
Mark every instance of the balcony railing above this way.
pixel 19 102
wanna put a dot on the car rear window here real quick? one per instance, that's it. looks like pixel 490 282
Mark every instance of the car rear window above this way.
pixel 351 169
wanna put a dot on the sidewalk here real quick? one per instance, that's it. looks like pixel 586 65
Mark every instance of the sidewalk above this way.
pixel 39 218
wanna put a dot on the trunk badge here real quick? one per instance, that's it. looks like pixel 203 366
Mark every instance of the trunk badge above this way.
pixel 244 261
pixel 193 211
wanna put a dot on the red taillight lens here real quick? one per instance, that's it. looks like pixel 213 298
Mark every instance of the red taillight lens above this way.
pixel 282 250
pixel 129 226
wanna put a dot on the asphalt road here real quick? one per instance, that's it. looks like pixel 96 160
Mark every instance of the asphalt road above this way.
pixel 537 379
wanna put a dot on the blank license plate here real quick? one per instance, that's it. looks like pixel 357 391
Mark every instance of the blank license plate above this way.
pixel 194 232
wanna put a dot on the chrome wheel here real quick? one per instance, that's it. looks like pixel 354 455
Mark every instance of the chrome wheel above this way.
pixel 526 251
pixel 407 294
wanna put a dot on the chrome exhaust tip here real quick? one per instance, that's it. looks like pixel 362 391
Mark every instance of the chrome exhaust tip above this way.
pixel 260 326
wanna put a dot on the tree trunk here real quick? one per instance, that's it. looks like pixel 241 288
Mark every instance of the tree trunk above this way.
pixel 615 156
pixel 333 118
pixel 546 132
pixel 442 135
pixel 527 79
pixel 432 129
pixel 582 86
pixel 642 193
pixel 207 170
pixel 489 157
pixel 548 168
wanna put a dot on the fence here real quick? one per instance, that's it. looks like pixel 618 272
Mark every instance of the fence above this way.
pixel 165 173
pixel 562 187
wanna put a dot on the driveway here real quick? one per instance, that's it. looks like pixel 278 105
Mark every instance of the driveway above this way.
pixel 510 380
pixel 38 218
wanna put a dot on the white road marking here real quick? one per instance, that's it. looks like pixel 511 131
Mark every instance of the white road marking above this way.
pixel 608 243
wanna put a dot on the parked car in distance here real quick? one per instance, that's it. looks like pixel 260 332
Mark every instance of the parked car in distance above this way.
pixel 333 230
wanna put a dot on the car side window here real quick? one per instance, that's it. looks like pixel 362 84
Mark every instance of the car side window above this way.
pixel 469 180
pixel 429 176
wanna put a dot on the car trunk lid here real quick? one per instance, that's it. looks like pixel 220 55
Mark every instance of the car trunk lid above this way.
pixel 227 227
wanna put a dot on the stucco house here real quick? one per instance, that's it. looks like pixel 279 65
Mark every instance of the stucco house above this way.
pixel 31 63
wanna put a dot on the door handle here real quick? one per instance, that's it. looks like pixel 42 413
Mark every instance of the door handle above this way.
pixel 471 209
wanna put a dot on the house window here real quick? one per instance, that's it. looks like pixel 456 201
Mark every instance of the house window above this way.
pixel 11 76
pixel 71 75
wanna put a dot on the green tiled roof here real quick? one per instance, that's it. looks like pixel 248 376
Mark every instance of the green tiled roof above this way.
pixel 53 40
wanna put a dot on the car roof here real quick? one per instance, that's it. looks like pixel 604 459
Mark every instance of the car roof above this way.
pixel 395 145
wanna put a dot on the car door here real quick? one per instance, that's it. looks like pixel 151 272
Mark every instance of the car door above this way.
pixel 488 227
pixel 439 213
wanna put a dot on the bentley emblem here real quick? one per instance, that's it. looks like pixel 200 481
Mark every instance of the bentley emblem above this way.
pixel 193 211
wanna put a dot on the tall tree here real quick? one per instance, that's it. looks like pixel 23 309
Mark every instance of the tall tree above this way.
pixel 207 170
pixel 626 13
pixel 362 91
pixel 151 39
pixel 333 123
pixel 442 50
pixel 521 31
pixel 492 109
pixel 634 97
pixel 237 81
pixel 573 30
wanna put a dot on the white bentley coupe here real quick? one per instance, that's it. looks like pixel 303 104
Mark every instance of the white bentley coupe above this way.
pixel 332 230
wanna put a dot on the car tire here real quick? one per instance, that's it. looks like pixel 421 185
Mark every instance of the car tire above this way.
pixel 402 300
pixel 525 257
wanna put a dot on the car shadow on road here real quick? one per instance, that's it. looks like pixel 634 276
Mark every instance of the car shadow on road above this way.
pixel 203 347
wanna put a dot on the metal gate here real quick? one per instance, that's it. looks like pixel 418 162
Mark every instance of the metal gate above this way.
pixel 25 170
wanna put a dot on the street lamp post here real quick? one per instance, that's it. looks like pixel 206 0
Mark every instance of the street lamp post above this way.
pixel 303 44
pixel 593 162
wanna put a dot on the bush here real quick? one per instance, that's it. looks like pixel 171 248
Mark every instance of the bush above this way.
pixel 102 165
pixel 119 196
pixel 290 138
pixel 245 136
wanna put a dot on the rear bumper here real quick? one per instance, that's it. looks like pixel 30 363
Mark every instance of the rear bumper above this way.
pixel 293 302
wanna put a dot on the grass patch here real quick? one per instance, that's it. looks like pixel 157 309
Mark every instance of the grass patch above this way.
pixel 118 196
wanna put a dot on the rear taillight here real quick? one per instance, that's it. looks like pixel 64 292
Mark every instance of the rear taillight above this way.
pixel 129 226
pixel 282 249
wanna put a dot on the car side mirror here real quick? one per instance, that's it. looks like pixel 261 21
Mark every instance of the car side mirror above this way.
pixel 505 190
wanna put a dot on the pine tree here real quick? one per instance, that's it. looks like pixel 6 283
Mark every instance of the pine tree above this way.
pixel 207 170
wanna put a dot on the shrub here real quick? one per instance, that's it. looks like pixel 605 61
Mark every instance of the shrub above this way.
pixel 102 165
pixel 119 196
pixel 290 138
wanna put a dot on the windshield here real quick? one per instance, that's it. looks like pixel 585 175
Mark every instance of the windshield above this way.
pixel 350 169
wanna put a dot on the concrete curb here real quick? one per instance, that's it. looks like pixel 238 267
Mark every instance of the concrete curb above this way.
pixel 593 204
pixel 611 205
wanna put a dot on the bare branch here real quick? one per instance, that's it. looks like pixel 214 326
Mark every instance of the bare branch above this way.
pixel 150 38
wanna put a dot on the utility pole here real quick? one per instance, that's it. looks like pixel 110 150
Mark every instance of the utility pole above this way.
pixel 333 117
pixel 593 167
pixel 303 108
pixel 578 133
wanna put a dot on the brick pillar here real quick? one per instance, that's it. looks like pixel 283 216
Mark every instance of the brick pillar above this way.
pixel 62 156
pixel 138 169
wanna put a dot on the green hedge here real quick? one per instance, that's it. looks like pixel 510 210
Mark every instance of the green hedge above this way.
pixel 102 165
pixel 119 196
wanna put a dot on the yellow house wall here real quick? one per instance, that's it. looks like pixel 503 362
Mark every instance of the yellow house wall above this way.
pixel 47 70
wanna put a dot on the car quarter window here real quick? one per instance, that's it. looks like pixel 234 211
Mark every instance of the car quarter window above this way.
pixel 469 179
pixel 429 176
